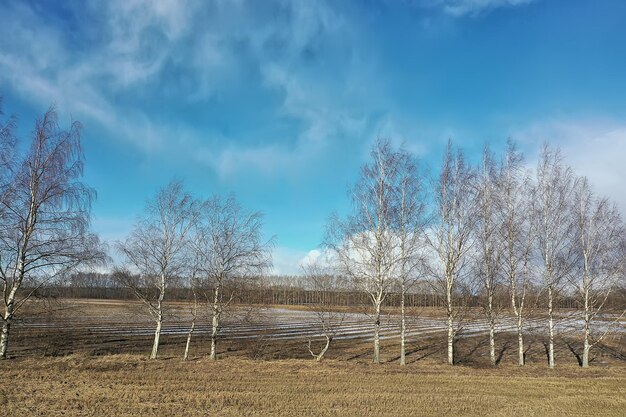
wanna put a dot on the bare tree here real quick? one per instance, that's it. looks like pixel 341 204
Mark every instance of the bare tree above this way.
pixel 156 249
pixel 451 235
pixel 231 251
pixel 553 191
pixel 194 316
pixel 599 236
pixel 409 228
pixel 45 216
pixel 364 245
pixel 516 235
pixel 329 319
pixel 489 259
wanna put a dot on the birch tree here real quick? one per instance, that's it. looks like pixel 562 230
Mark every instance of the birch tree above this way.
pixel 409 228
pixel 156 250
pixel 329 319
pixel 451 235
pixel 489 259
pixel 44 215
pixel 517 236
pixel 232 251
pixel 553 191
pixel 194 317
pixel 599 241
pixel 364 245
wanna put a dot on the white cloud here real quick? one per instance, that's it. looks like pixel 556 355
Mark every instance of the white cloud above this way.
pixel 287 260
pixel 320 257
pixel 595 149
pixel 311 257
pixel 459 8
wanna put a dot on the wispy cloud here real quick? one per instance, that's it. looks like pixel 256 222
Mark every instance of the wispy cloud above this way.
pixel 209 44
pixel 459 8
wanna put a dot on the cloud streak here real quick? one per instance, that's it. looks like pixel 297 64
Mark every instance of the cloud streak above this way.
pixel 473 8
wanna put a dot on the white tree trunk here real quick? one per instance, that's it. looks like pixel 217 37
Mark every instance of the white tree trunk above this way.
pixel 492 343
pixel 159 319
pixel 215 324
pixel 4 339
pixel 6 326
pixel 450 342
pixel 520 340
pixel 587 320
pixel 551 329
pixel 194 313
pixel 193 325
pixel 318 357
pixel 377 334
pixel 402 328
pixel 450 326
pixel 492 331
pixel 157 335
pixel 520 319
pixel 586 347
pixel 10 306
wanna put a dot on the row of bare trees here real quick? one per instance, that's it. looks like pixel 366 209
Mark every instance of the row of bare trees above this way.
pixel 486 229
pixel 215 243
pixel 497 226
pixel 45 212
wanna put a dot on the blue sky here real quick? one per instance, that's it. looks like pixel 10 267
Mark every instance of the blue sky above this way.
pixel 279 101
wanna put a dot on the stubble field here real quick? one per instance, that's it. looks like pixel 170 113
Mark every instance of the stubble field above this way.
pixel 130 385
pixel 88 358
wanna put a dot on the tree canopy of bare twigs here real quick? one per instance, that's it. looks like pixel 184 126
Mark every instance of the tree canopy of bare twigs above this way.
pixel 451 236
pixel 324 283
pixel 367 245
pixel 599 246
pixel 408 227
pixel 489 253
pixel 230 252
pixel 554 227
pixel 44 215
pixel 517 235
pixel 157 250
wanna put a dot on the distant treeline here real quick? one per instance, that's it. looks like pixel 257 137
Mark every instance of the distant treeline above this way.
pixel 291 290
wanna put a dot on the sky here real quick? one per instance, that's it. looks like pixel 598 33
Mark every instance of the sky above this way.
pixel 279 101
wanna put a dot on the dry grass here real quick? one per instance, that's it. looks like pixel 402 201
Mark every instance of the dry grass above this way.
pixel 123 385
pixel 41 380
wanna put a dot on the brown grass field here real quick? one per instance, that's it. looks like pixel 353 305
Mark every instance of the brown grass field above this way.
pixel 130 385
pixel 88 358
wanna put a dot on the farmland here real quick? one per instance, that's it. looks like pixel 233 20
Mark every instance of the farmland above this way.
pixel 97 327
pixel 89 357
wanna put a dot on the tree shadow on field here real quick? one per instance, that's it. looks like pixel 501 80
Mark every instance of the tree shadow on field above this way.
pixel 578 358
pixel 466 358
pixel 505 347
pixel 528 347
pixel 614 352
pixel 547 349
pixel 363 354
pixel 427 350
